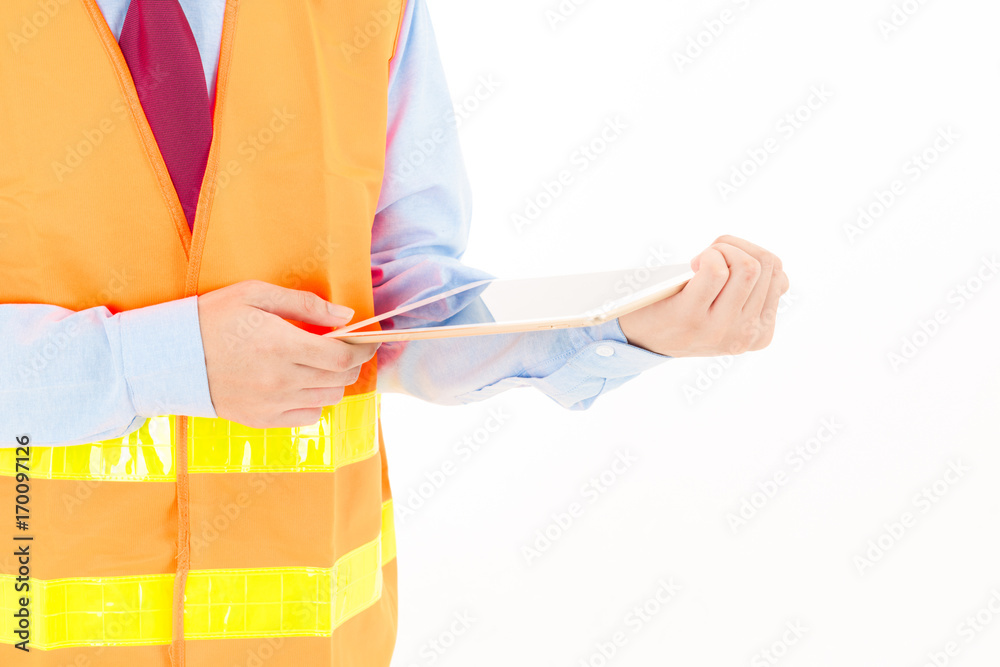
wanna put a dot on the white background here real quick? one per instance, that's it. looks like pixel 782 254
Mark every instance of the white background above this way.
pixel 705 433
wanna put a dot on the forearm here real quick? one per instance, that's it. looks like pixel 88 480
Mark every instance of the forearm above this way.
pixel 571 366
pixel 71 377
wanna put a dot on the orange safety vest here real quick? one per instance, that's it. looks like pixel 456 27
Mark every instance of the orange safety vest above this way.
pixel 194 541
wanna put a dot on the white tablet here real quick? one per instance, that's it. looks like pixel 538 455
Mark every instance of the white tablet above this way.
pixel 523 304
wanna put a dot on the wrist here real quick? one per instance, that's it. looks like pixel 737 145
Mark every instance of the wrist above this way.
pixel 163 359
pixel 636 338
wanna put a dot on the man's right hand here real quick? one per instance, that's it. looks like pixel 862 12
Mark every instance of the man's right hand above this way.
pixel 264 372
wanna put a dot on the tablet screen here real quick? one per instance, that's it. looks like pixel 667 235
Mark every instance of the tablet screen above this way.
pixel 531 303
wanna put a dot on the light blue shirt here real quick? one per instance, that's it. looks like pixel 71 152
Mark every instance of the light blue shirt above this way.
pixel 76 377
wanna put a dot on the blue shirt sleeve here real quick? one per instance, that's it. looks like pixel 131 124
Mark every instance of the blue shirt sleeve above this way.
pixel 420 233
pixel 71 377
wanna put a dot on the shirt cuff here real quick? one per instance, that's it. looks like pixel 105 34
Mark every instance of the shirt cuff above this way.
pixel 602 360
pixel 164 360
pixel 610 355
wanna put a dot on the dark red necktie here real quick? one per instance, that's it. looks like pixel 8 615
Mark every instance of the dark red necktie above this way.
pixel 166 67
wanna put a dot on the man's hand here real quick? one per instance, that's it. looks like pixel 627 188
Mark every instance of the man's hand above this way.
pixel 729 307
pixel 264 372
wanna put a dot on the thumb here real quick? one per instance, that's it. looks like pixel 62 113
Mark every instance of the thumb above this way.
pixel 299 305
pixel 696 262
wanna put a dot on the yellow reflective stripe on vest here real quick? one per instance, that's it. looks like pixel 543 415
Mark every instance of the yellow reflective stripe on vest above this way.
pixel 346 433
pixel 143 456
pixel 219 604
pixel 388 532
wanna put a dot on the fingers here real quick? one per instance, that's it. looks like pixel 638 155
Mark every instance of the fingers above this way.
pixel 761 289
pixel 769 262
pixel 298 305
pixel 307 377
pixel 331 354
pixel 744 272
pixel 264 371
pixel 297 417
pixel 711 274
pixel 317 398
pixel 728 307
pixel 769 312
pixel 755 251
